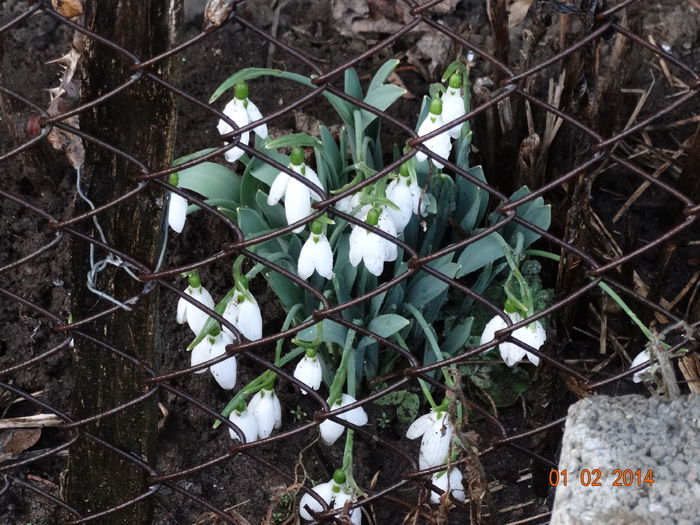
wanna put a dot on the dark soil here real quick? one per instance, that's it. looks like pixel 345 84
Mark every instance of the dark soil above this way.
pixel 186 440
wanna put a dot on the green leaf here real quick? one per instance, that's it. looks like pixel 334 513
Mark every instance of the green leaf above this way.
pixel 286 291
pixel 192 156
pixel 458 336
pixel 407 411
pixel 331 150
pixel 249 188
pixel 352 84
pixel 251 222
pixel 303 140
pixel 216 203
pixel 274 214
pixel 384 326
pixel 248 73
pixel 266 172
pixel 443 188
pixel 332 333
pixel 471 200
pixel 392 398
pixel 479 254
pixel 211 180
pixel 383 73
pixel 381 98
pixel 427 287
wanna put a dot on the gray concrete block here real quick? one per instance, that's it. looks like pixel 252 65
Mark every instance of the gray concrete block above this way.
pixel 611 445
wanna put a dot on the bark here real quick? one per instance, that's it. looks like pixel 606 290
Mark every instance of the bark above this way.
pixel 140 121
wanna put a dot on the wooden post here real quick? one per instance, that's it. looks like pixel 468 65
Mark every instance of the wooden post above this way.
pixel 141 122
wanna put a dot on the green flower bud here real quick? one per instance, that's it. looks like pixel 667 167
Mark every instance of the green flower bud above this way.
pixel 316 228
pixel 194 280
pixel 297 156
pixel 241 91
pixel 456 80
pixel 174 179
pixel 311 353
pixel 373 217
pixel 214 331
pixel 436 106
pixel 510 307
pixel 339 476
pixel 403 170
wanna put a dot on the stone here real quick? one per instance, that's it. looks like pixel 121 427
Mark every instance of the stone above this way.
pixel 629 460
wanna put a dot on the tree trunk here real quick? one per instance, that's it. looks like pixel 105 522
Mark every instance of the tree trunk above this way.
pixel 141 122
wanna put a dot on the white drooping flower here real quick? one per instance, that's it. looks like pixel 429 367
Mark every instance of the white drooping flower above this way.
pixel 177 212
pixel 325 491
pixel 367 246
pixel 308 371
pixel 267 411
pixel 243 312
pixel 242 111
pixel 349 203
pixel 343 497
pixel 437 432
pixel 211 347
pixel 641 358
pixel 336 494
pixel 316 254
pixel 448 482
pixel 405 193
pixel 453 105
pixel 331 431
pixel 297 195
pixel 245 421
pixel 187 312
pixel 533 335
pixel 441 144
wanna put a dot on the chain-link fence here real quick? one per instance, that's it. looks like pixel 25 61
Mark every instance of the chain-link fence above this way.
pixel 585 103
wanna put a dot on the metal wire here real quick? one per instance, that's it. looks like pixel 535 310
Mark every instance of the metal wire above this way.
pixel 501 436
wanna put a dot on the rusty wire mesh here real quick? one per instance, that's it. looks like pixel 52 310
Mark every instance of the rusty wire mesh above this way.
pixel 602 150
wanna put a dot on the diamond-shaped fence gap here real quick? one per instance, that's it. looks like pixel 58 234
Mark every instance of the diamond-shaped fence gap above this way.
pixel 194 394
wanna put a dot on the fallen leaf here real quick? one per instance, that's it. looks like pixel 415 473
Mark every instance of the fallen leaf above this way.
pixel 68 8
pixel 16 441
pixel 518 11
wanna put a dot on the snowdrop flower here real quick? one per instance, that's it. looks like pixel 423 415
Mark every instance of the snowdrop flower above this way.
pixel 335 493
pixel 267 411
pixel 325 491
pixel 316 254
pixel 642 357
pixel 177 208
pixel 344 497
pixel 243 312
pixel 211 347
pixel 367 246
pixel 453 104
pixel 349 203
pixel 440 145
pixel 297 196
pixel 405 193
pixel 448 482
pixel 242 111
pixel 533 335
pixel 246 422
pixel 308 370
pixel 187 312
pixel 437 432
pixel 331 431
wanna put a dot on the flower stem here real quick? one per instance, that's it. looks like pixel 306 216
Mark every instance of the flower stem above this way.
pixel 606 288
pixel 423 385
pixel 342 370
pixel 430 336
